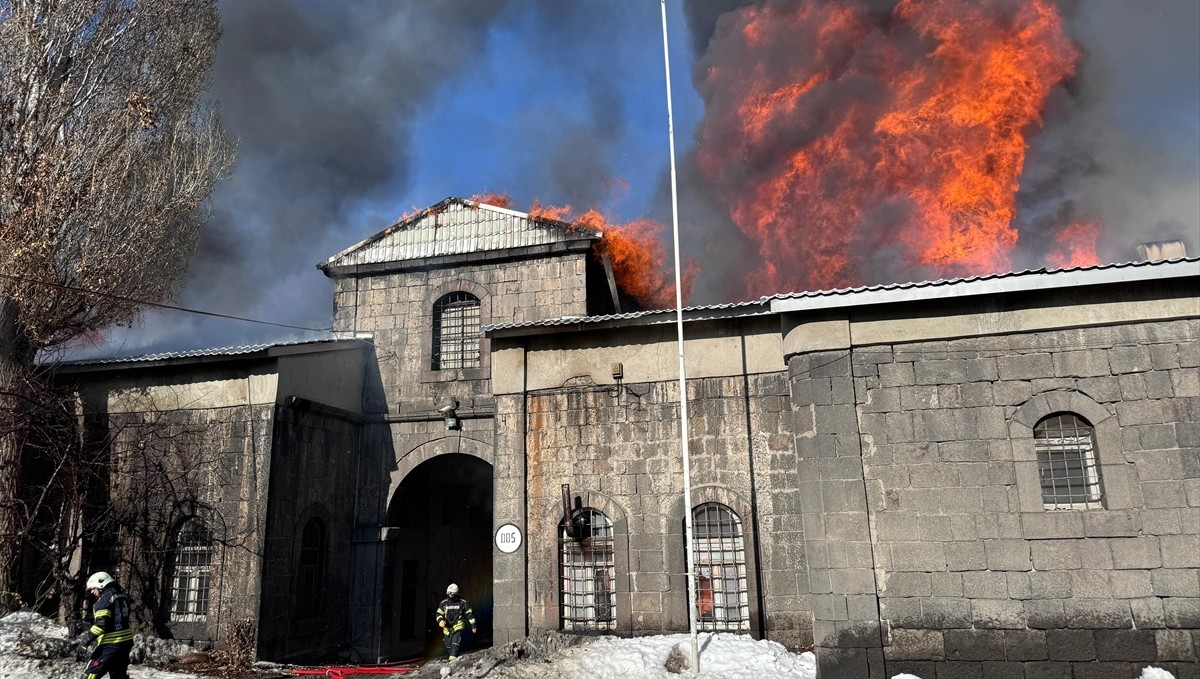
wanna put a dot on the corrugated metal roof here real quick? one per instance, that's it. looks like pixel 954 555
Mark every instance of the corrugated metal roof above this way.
pixel 1033 279
pixel 667 315
pixel 457 226
pixel 899 292
pixel 214 352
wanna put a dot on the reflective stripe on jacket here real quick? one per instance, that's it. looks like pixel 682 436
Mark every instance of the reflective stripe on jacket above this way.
pixel 456 614
pixel 111 617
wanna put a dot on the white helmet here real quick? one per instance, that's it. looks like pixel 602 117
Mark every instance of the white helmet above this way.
pixel 452 589
pixel 99 580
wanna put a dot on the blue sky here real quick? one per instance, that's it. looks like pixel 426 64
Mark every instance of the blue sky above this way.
pixel 350 114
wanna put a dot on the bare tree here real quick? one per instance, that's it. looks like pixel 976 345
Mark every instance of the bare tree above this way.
pixel 107 154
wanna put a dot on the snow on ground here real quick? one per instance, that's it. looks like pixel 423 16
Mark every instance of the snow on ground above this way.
pixel 722 656
pixel 33 647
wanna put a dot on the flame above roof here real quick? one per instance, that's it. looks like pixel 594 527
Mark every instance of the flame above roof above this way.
pixel 456 226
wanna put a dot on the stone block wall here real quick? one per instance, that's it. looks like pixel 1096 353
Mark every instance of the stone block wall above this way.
pixel 833 506
pixel 397 309
pixel 974 578
pixel 316 456
pixel 403 394
pixel 618 448
pixel 181 463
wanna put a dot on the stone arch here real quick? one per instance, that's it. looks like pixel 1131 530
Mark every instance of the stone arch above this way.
pixel 462 285
pixel 437 529
pixel 433 294
pixel 622 585
pixel 677 554
pixel 431 449
pixel 1110 457
pixel 318 511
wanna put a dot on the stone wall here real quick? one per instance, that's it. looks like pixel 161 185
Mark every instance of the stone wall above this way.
pixel 176 464
pixel 618 448
pixel 396 308
pixel 403 395
pixel 315 461
pixel 940 495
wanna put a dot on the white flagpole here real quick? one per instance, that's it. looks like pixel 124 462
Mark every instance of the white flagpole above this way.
pixel 683 401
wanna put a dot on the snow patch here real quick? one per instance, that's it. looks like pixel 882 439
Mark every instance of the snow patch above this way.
pixel 35 647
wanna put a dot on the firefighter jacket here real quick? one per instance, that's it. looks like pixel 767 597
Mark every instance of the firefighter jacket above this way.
pixel 111 617
pixel 454 615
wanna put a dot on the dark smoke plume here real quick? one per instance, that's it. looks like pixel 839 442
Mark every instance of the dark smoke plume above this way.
pixel 1119 143
pixel 323 98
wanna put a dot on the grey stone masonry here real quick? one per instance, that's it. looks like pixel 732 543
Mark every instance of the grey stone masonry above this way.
pixel 831 457
pixel 619 450
pixel 396 308
pixel 973 572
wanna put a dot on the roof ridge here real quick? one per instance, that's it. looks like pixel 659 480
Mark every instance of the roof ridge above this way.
pixel 406 223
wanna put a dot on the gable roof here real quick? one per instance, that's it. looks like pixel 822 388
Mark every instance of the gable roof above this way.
pixel 457 226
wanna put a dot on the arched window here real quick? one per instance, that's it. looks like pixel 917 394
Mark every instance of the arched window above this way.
pixel 1066 456
pixel 456 331
pixel 310 572
pixel 588 570
pixel 192 572
pixel 722 596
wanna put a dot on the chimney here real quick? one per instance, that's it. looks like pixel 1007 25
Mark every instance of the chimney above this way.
pixel 1161 249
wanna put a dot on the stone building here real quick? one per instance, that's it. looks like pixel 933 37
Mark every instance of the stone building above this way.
pixel 985 477
pixel 233 482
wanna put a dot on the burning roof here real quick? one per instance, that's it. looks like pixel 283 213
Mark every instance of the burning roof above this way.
pixel 457 226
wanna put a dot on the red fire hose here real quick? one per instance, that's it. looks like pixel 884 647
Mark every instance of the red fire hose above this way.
pixel 338 672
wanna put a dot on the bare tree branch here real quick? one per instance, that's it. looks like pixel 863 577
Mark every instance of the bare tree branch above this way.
pixel 108 152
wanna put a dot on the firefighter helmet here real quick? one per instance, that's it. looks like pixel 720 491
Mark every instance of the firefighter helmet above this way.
pixel 99 580
pixel 452 589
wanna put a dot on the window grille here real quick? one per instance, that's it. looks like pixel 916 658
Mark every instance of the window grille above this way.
pixel 1066 455
pixel 192 575
pixel 588 570
pixel 722 595
pixel 311 570
pixel 456 331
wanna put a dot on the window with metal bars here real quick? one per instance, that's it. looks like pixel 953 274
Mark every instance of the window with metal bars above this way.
pixel 587 571
pixel 192 573
pixel 722 594
pixel 310 573
pixel 456 331
pixel 1066 455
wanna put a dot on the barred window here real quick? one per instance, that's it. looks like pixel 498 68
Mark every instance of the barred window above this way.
pixel 192 572
pixel 722 595
pixel 456 331
pixel 311 569
pixel 588 569
pixel 1066 455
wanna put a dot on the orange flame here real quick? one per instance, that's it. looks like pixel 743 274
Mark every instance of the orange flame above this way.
pixel 847 143
pixel 494 199
pixel 638 259
pixel 1076 246
pixel 636 251
pixel 559 213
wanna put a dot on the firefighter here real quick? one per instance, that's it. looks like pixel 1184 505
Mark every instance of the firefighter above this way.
pixel 453 616
pixel 110 629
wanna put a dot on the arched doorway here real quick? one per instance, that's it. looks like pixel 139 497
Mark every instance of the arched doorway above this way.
pixel 440 531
